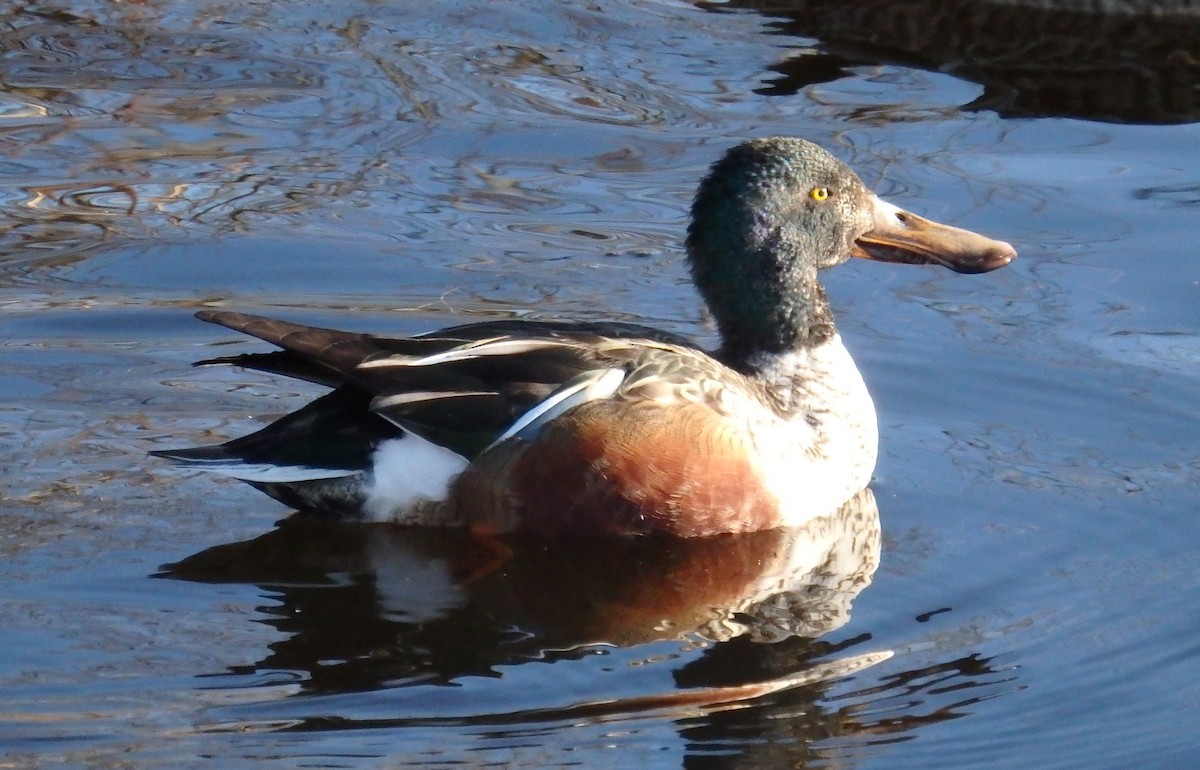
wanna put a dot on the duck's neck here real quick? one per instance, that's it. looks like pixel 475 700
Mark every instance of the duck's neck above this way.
pixel 771 318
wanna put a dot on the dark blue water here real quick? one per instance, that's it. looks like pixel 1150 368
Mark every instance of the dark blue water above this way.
pixel 1017 593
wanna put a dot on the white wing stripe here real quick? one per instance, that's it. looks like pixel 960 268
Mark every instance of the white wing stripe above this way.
pixel 494 347
pixel 417 396
pixel 589 386
pixel 266 473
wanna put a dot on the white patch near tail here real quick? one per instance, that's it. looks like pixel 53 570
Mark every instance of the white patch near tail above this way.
pixel 409 475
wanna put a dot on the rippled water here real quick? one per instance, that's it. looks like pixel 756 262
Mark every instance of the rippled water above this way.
pixel 1021 598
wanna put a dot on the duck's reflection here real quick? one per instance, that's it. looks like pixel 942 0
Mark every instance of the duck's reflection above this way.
pixel 364 606
pixel 372 607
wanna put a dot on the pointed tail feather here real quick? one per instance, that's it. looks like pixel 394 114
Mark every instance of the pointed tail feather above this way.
pixel 216 459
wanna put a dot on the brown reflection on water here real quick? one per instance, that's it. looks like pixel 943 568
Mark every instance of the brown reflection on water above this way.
pixel 1125 62
pixel 436 603
pixel 365 608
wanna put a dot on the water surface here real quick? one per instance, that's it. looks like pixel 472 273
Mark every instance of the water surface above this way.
pixel 1020 598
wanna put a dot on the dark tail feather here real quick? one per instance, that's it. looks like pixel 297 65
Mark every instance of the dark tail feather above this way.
pixel 335 431
pixel 281 362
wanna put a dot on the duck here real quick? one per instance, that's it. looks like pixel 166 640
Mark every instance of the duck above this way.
pixel 561 428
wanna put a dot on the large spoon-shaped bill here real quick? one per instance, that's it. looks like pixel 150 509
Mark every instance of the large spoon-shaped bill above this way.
pixel 901 236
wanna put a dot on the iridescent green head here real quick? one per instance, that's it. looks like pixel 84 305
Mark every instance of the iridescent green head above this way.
pixel 771 213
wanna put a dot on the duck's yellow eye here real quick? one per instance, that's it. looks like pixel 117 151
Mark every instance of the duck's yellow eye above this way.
pixel 819 193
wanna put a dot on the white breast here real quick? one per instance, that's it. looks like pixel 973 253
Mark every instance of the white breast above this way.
pixel 827 451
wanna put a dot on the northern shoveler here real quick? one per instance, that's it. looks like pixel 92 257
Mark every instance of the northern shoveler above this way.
pixel 597 428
